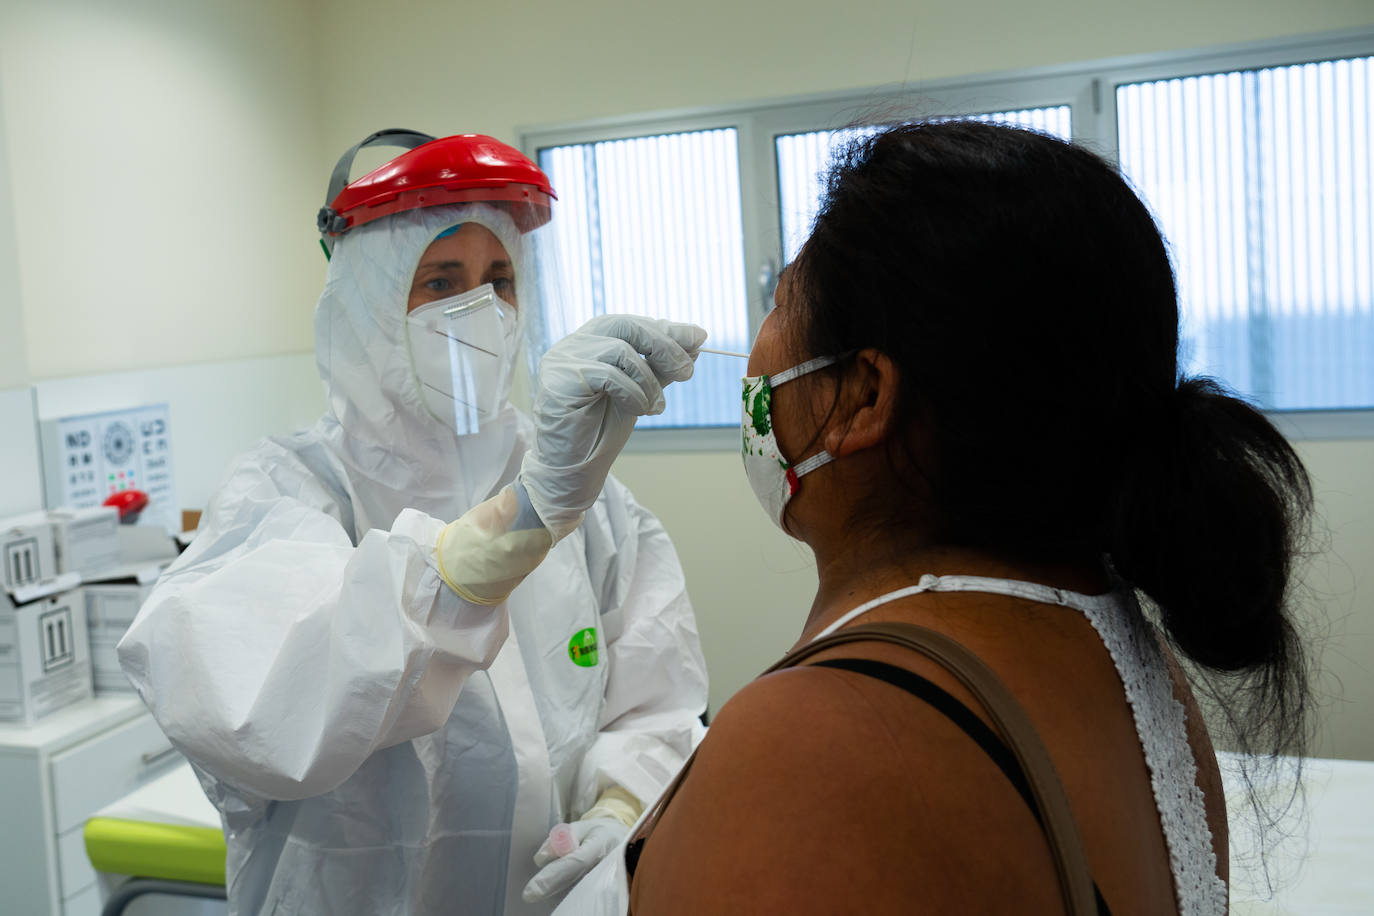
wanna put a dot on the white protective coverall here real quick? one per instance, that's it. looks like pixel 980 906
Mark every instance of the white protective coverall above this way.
pixel 374 743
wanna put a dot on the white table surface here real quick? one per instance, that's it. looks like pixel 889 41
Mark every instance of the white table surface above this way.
pixel 173 798
pixel 1326 868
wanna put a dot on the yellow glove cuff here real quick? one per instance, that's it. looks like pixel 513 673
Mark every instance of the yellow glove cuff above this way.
pixel 481 559
pixel 616 803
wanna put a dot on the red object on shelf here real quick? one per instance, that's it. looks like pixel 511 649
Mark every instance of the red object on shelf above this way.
pixel 129 503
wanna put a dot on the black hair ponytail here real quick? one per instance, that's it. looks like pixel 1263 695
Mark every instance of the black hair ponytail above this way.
pixel 1208 521
pixel 1209 526
pixel 1026 295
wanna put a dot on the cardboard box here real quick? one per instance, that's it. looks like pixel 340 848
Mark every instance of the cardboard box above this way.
pixel 110 608
pixel 26 547
pixel 142 545
pixel 86 540
pixel 112 603
pixel 45 660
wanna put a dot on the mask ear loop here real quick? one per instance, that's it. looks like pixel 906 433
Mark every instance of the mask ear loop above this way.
pixel 329 222
pixel 811 365
pixel 797 371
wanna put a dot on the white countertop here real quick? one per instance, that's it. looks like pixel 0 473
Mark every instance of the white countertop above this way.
pixel 1326 866
pixel 173 798
pixel 1325 870
pixel 69 725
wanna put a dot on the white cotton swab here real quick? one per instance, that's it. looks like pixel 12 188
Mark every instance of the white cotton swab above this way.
pixel 724 352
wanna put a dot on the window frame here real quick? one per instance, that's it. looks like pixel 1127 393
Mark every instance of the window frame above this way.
pixel 1088 88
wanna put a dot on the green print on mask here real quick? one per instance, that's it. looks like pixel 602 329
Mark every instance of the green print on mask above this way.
pixel 582 648
pixel 759 397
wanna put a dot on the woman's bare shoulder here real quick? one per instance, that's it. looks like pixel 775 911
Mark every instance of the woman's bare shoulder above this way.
pixel 808 795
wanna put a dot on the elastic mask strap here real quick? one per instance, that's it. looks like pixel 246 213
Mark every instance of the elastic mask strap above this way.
pixel 327 220
pixel 811 365
pixel 806 466
pixel 802 468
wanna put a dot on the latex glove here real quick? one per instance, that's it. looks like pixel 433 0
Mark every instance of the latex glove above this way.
pixel 593 385
pixel 595 838
pixel 485 554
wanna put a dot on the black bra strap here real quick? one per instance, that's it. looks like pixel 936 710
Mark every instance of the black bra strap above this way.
pixel 945 703
pixel 1016 736
pixel 952 709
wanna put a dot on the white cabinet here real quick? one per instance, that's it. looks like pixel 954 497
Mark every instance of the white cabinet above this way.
pixel 55 775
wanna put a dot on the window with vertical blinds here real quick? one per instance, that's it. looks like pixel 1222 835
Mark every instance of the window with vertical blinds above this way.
pixel 1260 173
pixel 1263 183
pixel 804 158
pixel 802 163
pixel 651 226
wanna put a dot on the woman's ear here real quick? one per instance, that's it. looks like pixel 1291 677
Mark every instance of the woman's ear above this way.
pixel 867 412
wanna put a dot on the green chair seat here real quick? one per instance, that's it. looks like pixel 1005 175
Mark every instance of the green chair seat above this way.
pixel 148 850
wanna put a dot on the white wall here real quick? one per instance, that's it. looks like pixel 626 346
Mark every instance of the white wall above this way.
pixel 165 163
pixel 751 586
pixel 217 409
pixel 160 169
pixel 18 443
pixel 1340 594
pixel 14 370
pixel 167 159
pixel 22 490
pixel 548 62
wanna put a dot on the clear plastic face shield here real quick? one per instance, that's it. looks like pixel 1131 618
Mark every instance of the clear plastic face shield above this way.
pixel 476 306
pixel 464 351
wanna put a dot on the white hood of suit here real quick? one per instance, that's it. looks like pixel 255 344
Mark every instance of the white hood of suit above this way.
pixel 396 453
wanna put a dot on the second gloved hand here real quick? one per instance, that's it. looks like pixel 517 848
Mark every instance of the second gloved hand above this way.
pixel 593 385
pixel 595 838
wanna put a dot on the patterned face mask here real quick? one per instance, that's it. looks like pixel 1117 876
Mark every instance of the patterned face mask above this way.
pixel 773 479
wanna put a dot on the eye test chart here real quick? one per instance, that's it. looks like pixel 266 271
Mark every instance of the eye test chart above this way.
pixel 89 458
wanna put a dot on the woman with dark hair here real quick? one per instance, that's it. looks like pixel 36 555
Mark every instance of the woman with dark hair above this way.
pixel 968 403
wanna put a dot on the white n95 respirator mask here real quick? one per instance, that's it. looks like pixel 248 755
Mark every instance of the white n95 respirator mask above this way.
pixel 773 479
pixel 463 352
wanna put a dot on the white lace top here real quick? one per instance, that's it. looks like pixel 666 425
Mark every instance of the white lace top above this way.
pixel 1159 721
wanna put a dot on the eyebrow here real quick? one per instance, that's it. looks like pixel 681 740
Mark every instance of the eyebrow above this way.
pixel 458 265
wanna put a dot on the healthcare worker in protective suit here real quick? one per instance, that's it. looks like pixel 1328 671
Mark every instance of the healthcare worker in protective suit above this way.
pixel 410 641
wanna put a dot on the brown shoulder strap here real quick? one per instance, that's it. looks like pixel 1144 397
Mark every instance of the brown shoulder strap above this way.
pixel 1075 879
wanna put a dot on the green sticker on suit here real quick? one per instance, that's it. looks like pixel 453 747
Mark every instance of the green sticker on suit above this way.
pixel 582 648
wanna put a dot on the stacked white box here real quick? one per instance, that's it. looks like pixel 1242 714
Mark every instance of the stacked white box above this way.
pixel 26 547
pixel 110 608
pixel 86 540
pixel 45 656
